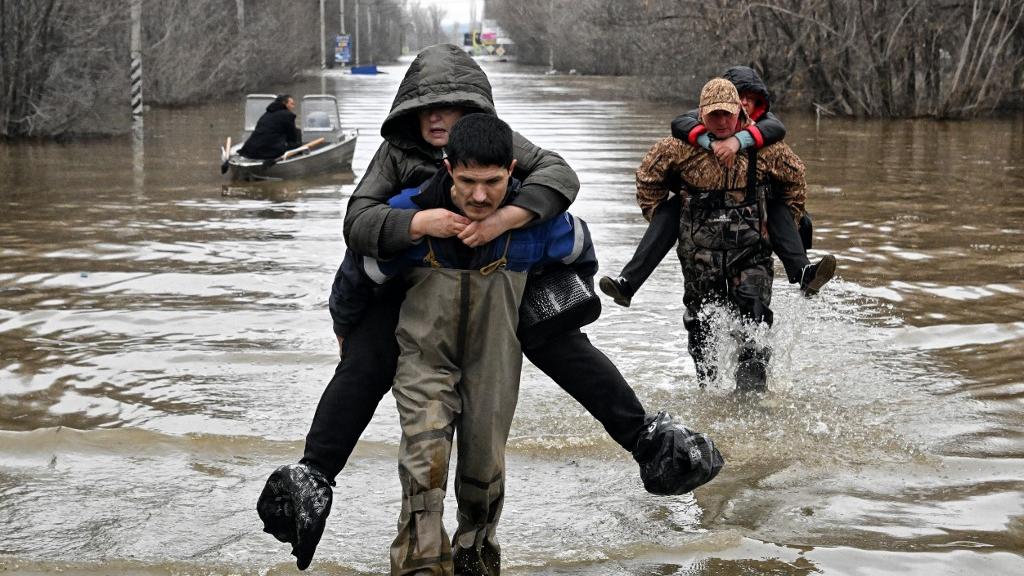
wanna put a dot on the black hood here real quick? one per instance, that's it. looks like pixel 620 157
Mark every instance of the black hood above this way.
pixel 441 75
pixel 747 80
pixel 275 106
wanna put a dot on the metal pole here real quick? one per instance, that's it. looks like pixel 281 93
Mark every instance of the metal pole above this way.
pixel 359 42
pixel 323 38
pixel 369 34
pixel 551 35
pixel 240 11
pixel 341 5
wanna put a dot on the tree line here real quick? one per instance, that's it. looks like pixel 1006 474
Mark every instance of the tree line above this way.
pixel 880 58
pixel 64 64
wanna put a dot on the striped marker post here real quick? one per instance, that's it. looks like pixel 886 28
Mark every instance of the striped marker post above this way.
pixel 138 148
pixel 136 64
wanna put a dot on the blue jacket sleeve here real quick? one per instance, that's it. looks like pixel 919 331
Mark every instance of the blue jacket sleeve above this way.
pixel 569 243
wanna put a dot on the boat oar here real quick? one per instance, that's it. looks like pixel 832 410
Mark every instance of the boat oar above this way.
pixel 295 152
pixel 225 154
pixel 303 148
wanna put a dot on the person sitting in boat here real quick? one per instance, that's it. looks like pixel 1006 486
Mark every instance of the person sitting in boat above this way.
pixel 275 131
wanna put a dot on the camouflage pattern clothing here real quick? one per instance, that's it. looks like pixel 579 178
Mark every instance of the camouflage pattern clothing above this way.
pixel 723 239
pixel 671 164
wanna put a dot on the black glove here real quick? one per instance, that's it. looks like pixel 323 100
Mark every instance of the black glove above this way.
pixel 294 506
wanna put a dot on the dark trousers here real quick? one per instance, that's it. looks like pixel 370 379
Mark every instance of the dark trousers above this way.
pixel 788 242
pixel 364 375
pixel 592 380
pixel 370 359
pixel 660 237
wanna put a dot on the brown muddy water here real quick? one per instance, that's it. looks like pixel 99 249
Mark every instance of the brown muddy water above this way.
pixel 164 340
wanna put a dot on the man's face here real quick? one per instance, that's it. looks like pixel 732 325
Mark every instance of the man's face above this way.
pixel 720 123
pixel 436 123
pixel 477 191
pixel 290 104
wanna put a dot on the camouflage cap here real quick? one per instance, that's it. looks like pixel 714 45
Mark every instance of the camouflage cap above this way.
pixel 719 94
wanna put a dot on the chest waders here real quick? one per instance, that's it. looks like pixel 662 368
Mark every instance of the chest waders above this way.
pixel 458 375
pixel 726 258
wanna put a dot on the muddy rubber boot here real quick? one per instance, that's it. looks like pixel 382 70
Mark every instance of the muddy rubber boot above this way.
pixel 752 370
pixel 707 370
pixel 482 559
pixel 294 506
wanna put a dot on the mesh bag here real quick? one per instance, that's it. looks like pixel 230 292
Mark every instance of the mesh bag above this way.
pixel 674 459
pixel 556 300
pixel 294 506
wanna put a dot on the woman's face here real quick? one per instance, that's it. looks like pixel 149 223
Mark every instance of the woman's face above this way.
pixel 751 101
pixel 436 123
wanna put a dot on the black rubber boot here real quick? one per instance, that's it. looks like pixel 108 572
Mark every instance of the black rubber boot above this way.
pixel 752 370
pixel 618 289
pixel 480 560
pixel 697 345
pixel 815 276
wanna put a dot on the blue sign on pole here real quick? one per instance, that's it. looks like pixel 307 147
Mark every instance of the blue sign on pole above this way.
pixel 342 49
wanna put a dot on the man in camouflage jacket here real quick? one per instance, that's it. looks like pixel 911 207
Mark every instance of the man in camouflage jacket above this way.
pixel 723 239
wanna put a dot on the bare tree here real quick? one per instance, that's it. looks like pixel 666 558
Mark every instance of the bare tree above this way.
pixel 435 14
pixel 195 49
pixel 64 63
pixel 942 58
pixel 424 25
pixel 60 67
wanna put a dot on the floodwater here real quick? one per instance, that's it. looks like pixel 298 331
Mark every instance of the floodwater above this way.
pixel 164 341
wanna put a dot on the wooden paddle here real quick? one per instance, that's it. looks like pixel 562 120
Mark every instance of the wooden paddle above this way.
pixel 304 148
pixel 225 154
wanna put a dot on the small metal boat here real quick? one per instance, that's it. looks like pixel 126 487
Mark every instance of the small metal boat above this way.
pixel 328 148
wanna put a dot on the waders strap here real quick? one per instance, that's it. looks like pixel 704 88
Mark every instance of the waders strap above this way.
pixel 753 190
pixel 500 263
pixel 430 501
pixel 430 258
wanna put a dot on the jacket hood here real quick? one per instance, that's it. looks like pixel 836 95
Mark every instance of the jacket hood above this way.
pixel 275 106
pixel 747 80
pixel 441 75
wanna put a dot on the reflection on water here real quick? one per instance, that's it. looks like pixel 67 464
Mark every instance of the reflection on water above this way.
pixel 164 340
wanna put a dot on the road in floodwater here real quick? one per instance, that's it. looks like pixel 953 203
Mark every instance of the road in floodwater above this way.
pixel 164 341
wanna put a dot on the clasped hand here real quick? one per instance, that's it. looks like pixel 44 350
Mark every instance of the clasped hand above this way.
pixel 442 223
pixel 725 150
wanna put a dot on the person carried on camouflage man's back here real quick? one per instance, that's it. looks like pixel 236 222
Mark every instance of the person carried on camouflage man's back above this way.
pixel 790 243
pixel 723 236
